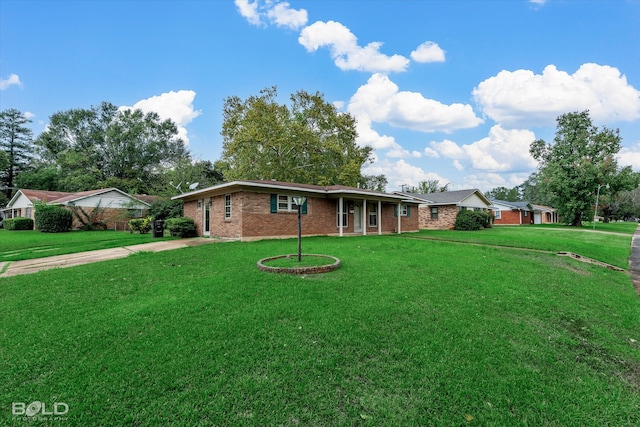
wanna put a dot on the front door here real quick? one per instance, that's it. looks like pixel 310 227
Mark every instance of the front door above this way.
pixel 206 231
pixel 357 218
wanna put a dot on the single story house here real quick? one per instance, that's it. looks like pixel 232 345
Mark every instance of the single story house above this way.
pixel 116 205
pixel 254 209
pixel 439 210
pixel 522 213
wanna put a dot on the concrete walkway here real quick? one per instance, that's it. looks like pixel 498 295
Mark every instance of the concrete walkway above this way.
pixel 15 268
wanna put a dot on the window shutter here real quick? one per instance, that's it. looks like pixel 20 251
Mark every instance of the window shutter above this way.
pixel 274 203
pixel 408 211
pixel 304 207
pixel 395 210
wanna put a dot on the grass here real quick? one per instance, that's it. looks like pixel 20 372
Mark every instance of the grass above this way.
pixel 20 245
pixel 407 332
pixel 305 261
pixel 609 244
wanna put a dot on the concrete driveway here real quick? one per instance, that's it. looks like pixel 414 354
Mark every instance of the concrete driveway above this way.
pixel 15 268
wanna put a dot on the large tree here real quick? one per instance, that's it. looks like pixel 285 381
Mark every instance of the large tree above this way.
pixel 16 144
pixel 109 147
pixel 426 187
pixel 504 194
pixel 307 142
pixel 581 158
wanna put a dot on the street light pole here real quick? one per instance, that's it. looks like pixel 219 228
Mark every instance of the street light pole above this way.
pixel 299 201
pixel 595 212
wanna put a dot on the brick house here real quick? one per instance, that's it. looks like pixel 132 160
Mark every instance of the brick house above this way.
pixel 115 205
pixel 439 210
pixel 250 210
pixel 522 213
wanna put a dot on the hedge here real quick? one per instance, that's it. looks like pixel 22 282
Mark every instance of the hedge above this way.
pixel 181 227
pixel 18 224
pixel 141 225
pixel 467 220
pixel 53 219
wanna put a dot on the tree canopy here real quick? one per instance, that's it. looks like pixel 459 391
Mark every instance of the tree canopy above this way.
pixel 580 160
pixel 426 187
pixel 108 147
pixel 16 148
pixel 308 142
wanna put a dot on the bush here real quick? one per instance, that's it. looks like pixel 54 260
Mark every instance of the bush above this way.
pixel 164 209
pixel 53 219
pixel 141 225
pixel 472 220
pixel 18 224
pixel 181 227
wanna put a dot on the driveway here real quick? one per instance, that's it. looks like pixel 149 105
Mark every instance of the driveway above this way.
pixel 15 268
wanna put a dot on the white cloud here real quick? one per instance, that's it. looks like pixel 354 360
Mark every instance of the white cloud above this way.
pixel 428 52
pixel 345 51
pixel 278 13
pixel 538 2
pixel 12 80
pixel 177 106
pixel 283 16
pixel 29 115
pixel 522 98
pixel 501 151
pixel 488 181
pixel 368 136
pixel 630 156
pixel 249 10
pixel 380 100
pixel 400 173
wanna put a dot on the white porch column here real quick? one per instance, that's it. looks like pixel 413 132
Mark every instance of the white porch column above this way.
pixel 399 218
pixel 379 213
pixel 364 217
pixel 340 214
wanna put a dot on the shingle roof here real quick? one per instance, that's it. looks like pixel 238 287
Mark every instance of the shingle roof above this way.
pixel 446 197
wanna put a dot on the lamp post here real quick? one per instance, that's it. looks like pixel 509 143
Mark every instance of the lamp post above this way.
pixel 299 201
pixel 595 212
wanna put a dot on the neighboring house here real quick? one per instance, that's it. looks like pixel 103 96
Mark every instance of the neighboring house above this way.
pixel 522 213
pixel 250 210
pixel 115 205
pixel 439 210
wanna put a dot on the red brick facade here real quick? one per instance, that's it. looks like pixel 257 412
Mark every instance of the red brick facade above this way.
pixel 443 219
pixel 252 217
pixel 514 217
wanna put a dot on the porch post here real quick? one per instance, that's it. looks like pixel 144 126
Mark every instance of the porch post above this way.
pixel 399 218
pixel 379 216
pixel 340 213
pixel 364 217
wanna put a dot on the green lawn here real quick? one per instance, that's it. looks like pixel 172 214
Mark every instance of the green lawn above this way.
pixel 19 245
pixel 409 331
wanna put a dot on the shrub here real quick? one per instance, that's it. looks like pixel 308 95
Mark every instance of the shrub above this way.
pixel 141 225
pixel 53 219
pixel 18 224
pixel 181 227
pixel 164 209
pixel 472 220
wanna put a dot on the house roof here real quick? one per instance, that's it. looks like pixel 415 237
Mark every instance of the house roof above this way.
pixel 61 198
pixel 264 185
pixel 447 197
pixel 513 205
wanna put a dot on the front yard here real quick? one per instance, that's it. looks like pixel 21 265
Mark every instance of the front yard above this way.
pixel 408 331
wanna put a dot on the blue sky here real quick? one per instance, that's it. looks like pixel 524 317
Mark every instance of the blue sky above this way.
pixel 453 90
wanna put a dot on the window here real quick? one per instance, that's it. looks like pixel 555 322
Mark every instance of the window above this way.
pixel 345 215
pixel 404 210
pixel 373 215
pixel 227 206
pixel 284 203
pixel 199 204
pixel 497 214
pixel 434 213
pixel 526 213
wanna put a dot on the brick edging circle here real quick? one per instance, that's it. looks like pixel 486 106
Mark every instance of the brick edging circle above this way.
pixel 316 269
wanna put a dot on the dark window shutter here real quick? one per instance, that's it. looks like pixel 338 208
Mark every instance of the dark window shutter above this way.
pixel 395 210
pixel 408 211
pixel 304 207
pixel 274 203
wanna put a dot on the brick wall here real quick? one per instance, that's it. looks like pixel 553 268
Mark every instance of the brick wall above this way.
pixel 446 217
pixel 514 218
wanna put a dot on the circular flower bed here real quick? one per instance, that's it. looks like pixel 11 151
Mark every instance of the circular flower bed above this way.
pixel 332 263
